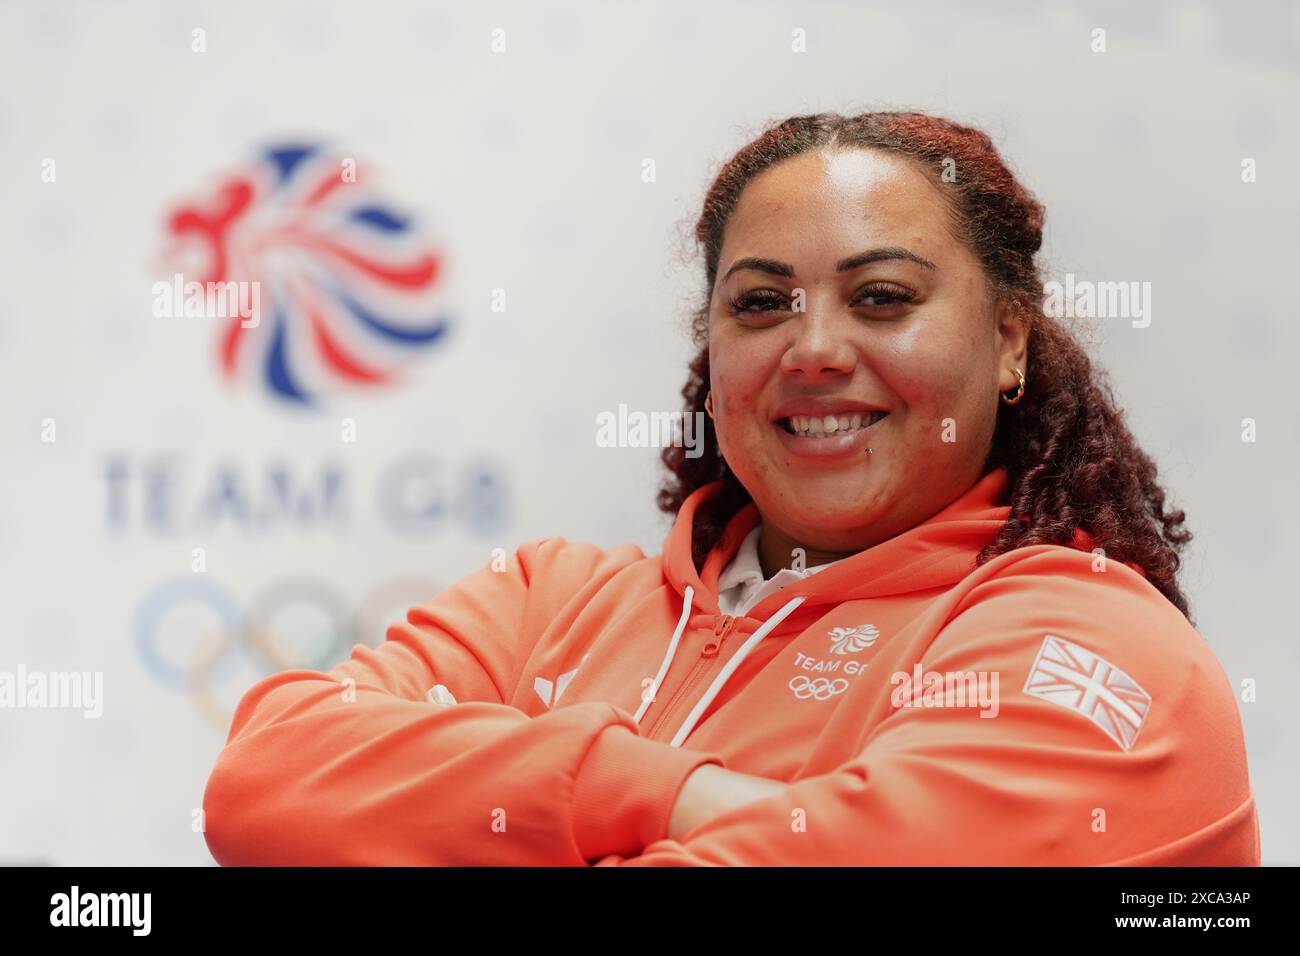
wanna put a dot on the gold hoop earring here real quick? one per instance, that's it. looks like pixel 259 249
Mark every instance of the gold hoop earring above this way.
pixel 1020 390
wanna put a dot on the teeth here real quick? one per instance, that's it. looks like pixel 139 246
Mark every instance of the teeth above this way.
pixel 831 424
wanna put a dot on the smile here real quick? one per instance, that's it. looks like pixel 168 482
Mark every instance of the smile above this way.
pixel 817 427
pixel 830 436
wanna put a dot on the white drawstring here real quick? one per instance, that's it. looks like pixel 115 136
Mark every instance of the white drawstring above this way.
pixel 648 699
pixel 736 660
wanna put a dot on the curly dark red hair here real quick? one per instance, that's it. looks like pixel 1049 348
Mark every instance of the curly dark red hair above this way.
pixel 1072 461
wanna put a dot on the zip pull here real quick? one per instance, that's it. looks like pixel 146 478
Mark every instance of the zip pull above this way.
pixel 720 630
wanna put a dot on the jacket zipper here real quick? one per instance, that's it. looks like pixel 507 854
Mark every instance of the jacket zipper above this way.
pixel 707 655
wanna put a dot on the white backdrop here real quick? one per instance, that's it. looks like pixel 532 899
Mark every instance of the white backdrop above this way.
pixel 523 169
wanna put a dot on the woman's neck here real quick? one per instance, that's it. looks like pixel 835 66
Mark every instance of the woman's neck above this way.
pixel 777 550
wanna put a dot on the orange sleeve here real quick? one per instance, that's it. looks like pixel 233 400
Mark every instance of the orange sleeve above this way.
pixel 355 766
pixel 1040 783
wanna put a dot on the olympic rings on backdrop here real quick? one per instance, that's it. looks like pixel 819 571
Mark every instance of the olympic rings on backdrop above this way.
pixel 251 634
pixel 285 593
pixel 156 604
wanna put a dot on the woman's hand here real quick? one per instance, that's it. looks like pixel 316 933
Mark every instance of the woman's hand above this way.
pixel 711 790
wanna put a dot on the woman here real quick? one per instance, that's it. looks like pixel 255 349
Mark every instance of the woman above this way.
pixel 918 605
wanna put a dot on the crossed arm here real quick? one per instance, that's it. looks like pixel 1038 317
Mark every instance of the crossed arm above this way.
pixel 710 790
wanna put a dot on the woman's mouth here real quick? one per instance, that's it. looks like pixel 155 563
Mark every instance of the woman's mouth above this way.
pixel 816 427
pixel 824 436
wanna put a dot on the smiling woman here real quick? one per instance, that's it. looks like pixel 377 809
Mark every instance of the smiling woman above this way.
pixel 917 607
pixel 939 313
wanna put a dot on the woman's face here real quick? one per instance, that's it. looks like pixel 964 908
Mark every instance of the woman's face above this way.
pixel 841 290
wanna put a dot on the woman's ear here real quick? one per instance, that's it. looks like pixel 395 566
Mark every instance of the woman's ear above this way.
pixel 1013 339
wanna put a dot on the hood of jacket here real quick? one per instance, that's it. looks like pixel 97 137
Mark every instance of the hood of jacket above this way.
pixel 936 553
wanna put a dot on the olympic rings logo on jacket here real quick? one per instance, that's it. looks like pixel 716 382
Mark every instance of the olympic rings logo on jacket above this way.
pixel 819 688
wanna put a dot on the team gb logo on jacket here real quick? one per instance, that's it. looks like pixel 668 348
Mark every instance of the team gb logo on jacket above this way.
pixel 850 640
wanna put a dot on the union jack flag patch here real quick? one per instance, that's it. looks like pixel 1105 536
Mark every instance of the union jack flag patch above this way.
pixel 1074 677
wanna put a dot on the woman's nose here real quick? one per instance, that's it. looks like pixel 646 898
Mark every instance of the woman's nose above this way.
pixel 821 345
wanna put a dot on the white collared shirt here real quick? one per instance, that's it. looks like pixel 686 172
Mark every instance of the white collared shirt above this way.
pixel 741 584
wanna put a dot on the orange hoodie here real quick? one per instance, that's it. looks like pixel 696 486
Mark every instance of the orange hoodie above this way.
pixel 1047 708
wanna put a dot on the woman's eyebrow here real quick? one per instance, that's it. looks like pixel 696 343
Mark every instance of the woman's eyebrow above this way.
pixel 875 255
pixel 777 268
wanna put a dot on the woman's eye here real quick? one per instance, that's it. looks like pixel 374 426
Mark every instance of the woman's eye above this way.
pixel 875 296
pixel 884 296
pixel 760 300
